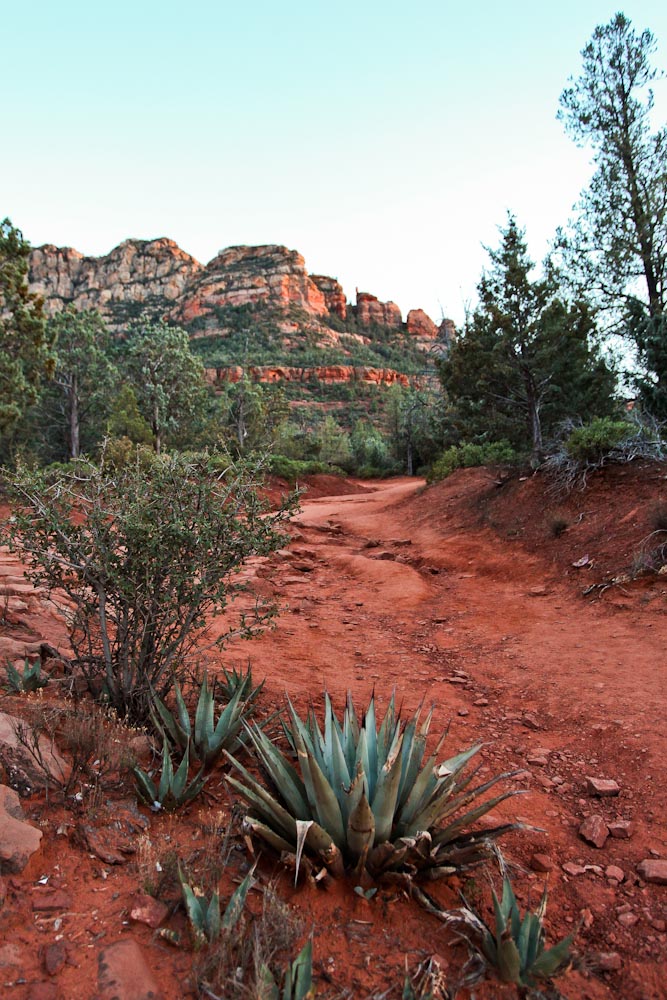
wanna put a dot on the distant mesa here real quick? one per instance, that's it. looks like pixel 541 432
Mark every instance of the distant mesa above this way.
pixel 157 276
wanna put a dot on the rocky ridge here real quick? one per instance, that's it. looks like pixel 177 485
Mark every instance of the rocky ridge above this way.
pixel 159 276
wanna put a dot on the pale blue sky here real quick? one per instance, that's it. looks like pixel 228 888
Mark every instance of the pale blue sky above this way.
pixel 384 141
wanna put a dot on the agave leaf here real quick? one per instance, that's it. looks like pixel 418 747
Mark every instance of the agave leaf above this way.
pixel 204 715
pixel 14 678
pixel 267 986
pixel 351 732
pixel 237 902
pixel 167 776
pixel 535 941
pixel 508 962
pixel 523 937
pixel 388 728
pixel 192 905
pixel 420 793
pixel 386 793
pixel 361 759
pixel 194 788
pixel 548 963
pixel 302 828
pixel 386 856
pixel 283 776
pixel 267 833
pixel 228 724
pixel 183 714
pixel 302 973
pixel 177 786
pixel 360 829
pixel 213 923
pixel 145 787
pixel 322 799
pixel 340 776
pixel 370 729
pixel 269 809
pixel 442 806
pixel 163 719
pixel 510 908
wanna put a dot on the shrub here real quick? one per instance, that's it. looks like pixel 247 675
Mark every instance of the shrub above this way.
pixel 364 796
pixel 468 455
pixel 595 441
pixel 144 555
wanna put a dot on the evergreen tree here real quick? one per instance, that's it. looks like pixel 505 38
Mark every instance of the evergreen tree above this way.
pixel 525 360
pixel 24 351
pixel 618 246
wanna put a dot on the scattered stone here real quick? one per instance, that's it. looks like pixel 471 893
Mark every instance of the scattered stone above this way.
pixel 627 919
pixel 607 961
pixel 570 868
pixel 546 783
pixel 622 829
pixel 541 863
pixel 148 910
pixel 614 872
pixel 481 702
pixel 535 761
pixel 463 712
pixel 456 680
pixel 594 831
pixel 602 787
pixel 54 957
pixel 18 839
pixel 530 721
pixel 541 591
pixel 123 974
pixel 652 870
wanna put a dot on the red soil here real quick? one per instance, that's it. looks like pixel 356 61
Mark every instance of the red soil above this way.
pixel 388 585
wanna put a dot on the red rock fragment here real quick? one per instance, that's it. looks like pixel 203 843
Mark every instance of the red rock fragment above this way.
pixel 653 870
pixel 594 831
pixel 122 974
pixel 54 957
pixel 608 961
pixel 622 829
pixel 602 787
pixel 541 863
pixel 51 900
pixel 147 910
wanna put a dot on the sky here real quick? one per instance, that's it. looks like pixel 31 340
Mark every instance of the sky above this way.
pixel 384 141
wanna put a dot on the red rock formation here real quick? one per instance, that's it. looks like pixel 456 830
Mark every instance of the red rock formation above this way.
pixel 328 374
pixel 334 296
pixel 420 325
pixel 369 310
pixel 136 271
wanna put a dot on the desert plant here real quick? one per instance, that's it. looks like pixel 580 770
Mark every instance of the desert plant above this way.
pixel 467 455
pixel 297 979
pixel 204 917
pixel 30 679
pixel 173 790
pixel 515 946
pixel 234 679
pixel 363 795
pixel 206 738
pixel 144 553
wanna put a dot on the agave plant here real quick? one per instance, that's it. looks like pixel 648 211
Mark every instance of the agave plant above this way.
pixel 206 922
pixel 234 679
pixel 173 790
pixel 30 679
pixel 516 946
pixel 297 980
pixel 206 737
pixel 365 796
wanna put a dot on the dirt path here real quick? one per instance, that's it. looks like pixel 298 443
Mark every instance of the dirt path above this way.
pixel 383 592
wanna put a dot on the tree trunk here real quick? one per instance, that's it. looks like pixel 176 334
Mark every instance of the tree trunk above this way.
pixel 74 422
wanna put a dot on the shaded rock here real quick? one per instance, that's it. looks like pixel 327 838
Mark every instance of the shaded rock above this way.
pixel 653 870
pixel 607 961
pixel 146 909
pixel 370 310
pixel 18 839
pixel 614 872
pixel 47 900
pixel 622 829
pixel 594 831
pixel 419 324
pixel 602 787
pixel 573 869
pixel 54 957
pixel 541 863
pixel 114 837
pixel 124 975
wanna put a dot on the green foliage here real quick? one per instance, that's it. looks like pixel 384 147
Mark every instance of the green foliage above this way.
pixel 25 355
pixel 592 442
pixel 125 419
pixel 364 796
pixel 174 790
pixel 30 679
pixel 525 360
pixel 515 946
pixel 167 378
pixel 467 455
pixel 617 247
pixel 205 920
pixel 206 737
pixel 145 553
pixel 293 469
pixel 297 980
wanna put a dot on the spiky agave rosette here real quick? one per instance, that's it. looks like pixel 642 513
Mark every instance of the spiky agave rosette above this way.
pixel 364 796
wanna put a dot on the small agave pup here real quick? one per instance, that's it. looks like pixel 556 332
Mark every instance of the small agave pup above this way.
pixel 363 796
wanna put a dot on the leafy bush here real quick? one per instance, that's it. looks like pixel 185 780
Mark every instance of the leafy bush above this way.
pixel 593 442
pixel 144 555
pixel 467 455
pixel 364 796
pixel 293 469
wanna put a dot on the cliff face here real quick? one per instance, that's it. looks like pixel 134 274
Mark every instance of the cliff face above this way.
pixel 329 374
